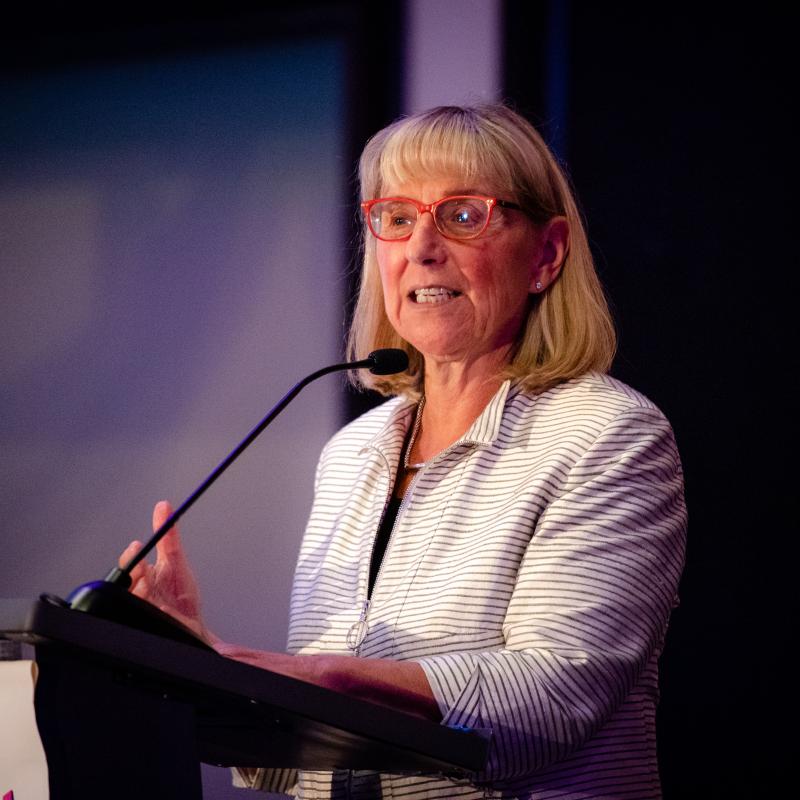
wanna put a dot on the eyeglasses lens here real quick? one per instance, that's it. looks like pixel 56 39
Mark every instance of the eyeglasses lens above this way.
pixel 462 217
pixel 393 219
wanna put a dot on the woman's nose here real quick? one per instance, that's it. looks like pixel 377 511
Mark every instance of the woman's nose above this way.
pixel 426 245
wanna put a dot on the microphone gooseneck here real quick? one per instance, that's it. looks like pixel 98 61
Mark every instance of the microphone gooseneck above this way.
pixel 379 362
pixel 105 598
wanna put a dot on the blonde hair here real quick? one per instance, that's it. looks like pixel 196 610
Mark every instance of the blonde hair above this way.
pixel 569 330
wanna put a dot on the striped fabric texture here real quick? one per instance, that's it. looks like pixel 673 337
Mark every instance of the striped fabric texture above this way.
pixel 531 572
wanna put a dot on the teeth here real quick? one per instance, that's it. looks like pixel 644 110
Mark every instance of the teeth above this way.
pixel 434 294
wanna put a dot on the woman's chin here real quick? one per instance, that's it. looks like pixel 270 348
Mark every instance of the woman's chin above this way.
pixel 439 349
pixel 437 338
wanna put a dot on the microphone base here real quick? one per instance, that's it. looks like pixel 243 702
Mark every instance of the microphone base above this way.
pixel 112 602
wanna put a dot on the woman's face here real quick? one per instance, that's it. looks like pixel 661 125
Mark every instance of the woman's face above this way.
pixel 461 300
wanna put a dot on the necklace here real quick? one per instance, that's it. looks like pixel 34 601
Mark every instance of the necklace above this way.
pixel 414 432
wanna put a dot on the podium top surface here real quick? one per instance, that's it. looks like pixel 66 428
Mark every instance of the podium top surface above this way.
pixel 248 716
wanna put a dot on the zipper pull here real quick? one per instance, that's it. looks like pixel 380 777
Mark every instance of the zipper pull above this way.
pixel 358 630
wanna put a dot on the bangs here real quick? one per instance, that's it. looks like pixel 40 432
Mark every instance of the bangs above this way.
pixel 441 146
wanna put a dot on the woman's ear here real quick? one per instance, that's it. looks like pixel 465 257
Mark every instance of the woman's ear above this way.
pixel 552 254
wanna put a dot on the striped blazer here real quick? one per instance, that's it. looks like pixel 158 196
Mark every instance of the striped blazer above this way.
pixel 531 572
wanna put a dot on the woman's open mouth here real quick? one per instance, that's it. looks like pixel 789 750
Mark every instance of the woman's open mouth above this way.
pixel 434 294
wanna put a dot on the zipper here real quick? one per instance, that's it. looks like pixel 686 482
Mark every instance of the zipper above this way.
pixel 357 632
pixel 359 629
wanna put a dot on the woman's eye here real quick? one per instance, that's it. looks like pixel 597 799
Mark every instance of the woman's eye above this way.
pixel 465 216
pixel 398 217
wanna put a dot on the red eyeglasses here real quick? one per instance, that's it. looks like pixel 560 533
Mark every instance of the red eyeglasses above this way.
pixel 459 217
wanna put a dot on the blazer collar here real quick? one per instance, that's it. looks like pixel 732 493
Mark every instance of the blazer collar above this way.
pixel 484 430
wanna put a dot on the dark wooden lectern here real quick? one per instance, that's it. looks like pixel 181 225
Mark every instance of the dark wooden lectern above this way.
pixel 125 714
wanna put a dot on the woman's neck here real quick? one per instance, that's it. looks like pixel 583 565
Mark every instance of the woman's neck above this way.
pixel 454 398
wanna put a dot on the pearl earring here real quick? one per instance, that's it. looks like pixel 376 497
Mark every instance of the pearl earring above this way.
pixel 538 284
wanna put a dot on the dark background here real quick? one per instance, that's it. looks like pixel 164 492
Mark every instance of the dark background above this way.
pixel 673 122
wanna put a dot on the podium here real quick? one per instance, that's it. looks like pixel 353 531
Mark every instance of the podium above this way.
pixel 126 714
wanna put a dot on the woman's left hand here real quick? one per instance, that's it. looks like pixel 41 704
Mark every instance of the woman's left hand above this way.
pixel 169 584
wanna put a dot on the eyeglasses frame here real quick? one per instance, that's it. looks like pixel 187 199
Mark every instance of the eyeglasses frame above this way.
pixel 491 202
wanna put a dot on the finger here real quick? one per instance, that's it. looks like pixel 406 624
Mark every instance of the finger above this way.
pixel 161 513
pixel 137 574
pixel 127 554
pixel 169 547
pixel 142 585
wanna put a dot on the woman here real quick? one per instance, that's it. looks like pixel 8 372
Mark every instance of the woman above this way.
pixel 500 544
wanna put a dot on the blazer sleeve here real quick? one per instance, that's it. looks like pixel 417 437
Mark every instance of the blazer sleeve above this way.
pixel 590 606
pixel 279 781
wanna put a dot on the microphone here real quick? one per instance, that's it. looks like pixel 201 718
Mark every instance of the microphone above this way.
pixel 110 598
pixel 388 361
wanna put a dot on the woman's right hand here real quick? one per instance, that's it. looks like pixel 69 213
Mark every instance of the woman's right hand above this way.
pixel 169 583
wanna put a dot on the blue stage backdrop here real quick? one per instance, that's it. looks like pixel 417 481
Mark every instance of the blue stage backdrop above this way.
pixel 171 262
